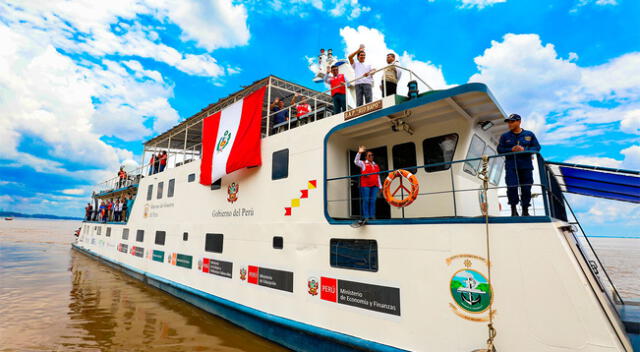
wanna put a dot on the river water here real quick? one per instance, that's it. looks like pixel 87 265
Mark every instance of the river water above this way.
pixel 55 299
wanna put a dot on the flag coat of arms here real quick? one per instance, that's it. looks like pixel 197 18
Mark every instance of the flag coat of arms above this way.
pixel 231 138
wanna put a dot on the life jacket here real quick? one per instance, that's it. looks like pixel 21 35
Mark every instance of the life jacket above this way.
pixel 369 180
pixel 122 174
pixel 153 159
pixel 336 87
pixel 163 159
pixel 302 109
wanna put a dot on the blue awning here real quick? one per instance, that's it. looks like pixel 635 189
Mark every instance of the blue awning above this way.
pixel 594 181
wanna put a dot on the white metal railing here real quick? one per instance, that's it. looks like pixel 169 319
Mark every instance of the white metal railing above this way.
pixel 346 84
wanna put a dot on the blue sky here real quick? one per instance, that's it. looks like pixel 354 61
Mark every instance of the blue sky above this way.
pixel 82 83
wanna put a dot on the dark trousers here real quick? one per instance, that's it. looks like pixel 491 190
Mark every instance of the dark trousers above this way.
pixel 391 88
pixel 339 103
pixel 363 94
pixel 524 179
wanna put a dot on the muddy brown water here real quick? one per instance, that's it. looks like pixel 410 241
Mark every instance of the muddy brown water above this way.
pixel 55 299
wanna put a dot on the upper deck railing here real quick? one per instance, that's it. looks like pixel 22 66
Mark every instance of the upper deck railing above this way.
pixel 315 112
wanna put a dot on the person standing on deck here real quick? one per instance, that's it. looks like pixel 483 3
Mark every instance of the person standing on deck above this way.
pixel 518 168
pixel 369 184
pixel 163 160
pixel 151 163
pixel 279 113
pixel 87 212
pixel 156 163
pixel 338 89
pixel 302 109
pixel 122 177
pixel 392 75
pixel 364 79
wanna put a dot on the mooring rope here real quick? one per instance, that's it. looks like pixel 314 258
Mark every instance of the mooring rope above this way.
pixel 484 206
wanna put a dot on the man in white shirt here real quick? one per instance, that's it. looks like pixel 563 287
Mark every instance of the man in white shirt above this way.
pixel 364 74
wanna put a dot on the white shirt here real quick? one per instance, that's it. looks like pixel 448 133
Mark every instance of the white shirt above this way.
pixel 361 69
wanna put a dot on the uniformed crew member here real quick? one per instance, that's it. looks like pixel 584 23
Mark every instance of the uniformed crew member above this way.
pixel 518 167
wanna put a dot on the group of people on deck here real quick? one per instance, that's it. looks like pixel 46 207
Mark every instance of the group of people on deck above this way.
pixel 109 211
pixel 363 89
pixel 518 170
pixel 158 162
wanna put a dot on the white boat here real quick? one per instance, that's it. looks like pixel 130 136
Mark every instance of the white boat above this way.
pixel 271 248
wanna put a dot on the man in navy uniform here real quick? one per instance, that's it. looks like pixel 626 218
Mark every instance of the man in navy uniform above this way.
pixel 519 168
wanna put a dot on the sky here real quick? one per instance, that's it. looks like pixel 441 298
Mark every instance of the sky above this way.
pixel 83 83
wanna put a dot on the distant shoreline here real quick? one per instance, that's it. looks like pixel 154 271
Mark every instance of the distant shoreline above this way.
pixel 11 214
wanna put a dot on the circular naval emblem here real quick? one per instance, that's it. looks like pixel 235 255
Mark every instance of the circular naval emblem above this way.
pixel 470 290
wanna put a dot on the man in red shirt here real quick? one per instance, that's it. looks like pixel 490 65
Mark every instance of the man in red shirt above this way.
pixel 302 109
pixel 338 89
pixel 163 160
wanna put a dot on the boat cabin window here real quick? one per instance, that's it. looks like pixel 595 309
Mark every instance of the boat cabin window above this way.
pixel 171 187
pixel 495 166
pixel 149 192
pixel 278 242
pixel 280 164
pixel 191 177
pixel 213 242
pixel 108 234
pixel 185 236
pixel 160 237
pixel 140 236
pixel 216 185
pixel 475 151
pixel 160 190
pixel 439 150
pixel 125 234
pixel 404 156
pixel 99 231
pixel 354 254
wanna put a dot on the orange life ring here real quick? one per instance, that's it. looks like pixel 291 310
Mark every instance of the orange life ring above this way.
pixel 412 194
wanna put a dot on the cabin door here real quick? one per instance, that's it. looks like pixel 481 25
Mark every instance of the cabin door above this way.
pixel 383 211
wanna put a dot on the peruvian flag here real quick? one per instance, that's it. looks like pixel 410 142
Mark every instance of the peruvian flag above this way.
pixel 231 138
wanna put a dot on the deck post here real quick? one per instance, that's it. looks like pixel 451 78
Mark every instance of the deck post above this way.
pixel 268 127
pixel 184 148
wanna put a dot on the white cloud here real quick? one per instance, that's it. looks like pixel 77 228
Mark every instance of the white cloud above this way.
pixel 480 4
pixel 351 9
pixel 555 95
pixel 631 122
pixel 631 157
pixel 70 75
pixel 74 191
pixel 100 28
pixel 595 161
pixel 377 49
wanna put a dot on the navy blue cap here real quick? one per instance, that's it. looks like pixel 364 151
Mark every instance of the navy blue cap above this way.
pixel 513 117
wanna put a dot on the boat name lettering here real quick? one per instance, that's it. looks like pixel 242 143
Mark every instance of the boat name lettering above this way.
pixel 365 109
pixel 238 212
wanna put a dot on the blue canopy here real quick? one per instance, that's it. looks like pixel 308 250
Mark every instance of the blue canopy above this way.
pixel 615 184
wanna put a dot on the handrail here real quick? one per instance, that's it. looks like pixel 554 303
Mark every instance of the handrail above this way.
pixel 347 84
pixel 436 164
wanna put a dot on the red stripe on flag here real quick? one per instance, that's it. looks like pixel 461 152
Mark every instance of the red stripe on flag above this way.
pixel 209 135
pixel 246 146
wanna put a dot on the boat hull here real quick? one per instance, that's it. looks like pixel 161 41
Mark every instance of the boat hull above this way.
pixel 291 334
